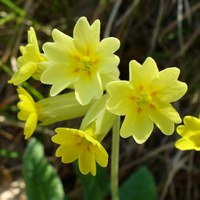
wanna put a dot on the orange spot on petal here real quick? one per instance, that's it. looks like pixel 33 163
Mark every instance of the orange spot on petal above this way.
pixel 139 110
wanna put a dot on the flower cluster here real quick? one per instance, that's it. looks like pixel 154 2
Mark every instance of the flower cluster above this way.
pixel 88 67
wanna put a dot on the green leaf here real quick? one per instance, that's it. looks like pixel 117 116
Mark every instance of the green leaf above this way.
pixel 94 187
pixel 41 180
pixel 139 186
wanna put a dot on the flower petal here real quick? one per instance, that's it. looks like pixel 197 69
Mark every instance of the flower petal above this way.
pixel 30 125
pixel 61 76
pixel 120 101
pixel 167 86
pixel 184 144
pixel 66 138
pixel 88 88
pixel 101 155
pixel 62 50
pixel 109 45
pixel 165 118
pixel 142 75
pixel 85 160
pixel 191 127
pixel 108 64
pixel 86 37
pixel 138 125
pixel 69 153
pixel 24 73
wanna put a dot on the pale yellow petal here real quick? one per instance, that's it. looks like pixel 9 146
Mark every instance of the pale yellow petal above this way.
pixel 184 144
pixel 142 74
pixel 86 37
pixel 32 38
pixel 66 136
pixel 62 50
pixel 109 45
pixel 61 76
pixel 30 125
pixel 120 101
pixel 191 126
pixel 88 88
pixel 108 64
pixel 139 125
pixel 110 76
pixel 31 53
pixel 85 160
pixel 60 37
pixel 24 73
pixel 165 117
pixel 101 155
pixel 22 92
pixel 167 86
pixel 93 162
pixel 68 153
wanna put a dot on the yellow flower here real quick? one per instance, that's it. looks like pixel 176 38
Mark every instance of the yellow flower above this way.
pixel 83 62
pixel 146 99
pixel 31 61
pixel 77 144
pixel 48 110
pixel 28 112
pixel 190 133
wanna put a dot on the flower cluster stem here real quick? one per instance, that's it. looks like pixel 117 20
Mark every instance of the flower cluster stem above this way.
pixel 115 159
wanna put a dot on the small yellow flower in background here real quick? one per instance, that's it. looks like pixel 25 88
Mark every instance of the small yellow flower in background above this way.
pixel 190 133
pixel 145 99
pixel 77 144
pixel 83 62
pixel 31 61
pixel 28 112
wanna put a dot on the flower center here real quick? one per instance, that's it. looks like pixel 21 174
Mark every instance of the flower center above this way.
pixel 143 99
pixel 87 63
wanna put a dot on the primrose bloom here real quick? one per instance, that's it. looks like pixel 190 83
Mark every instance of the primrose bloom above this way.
pixel 47 111
pixel 77 144
pixel 31 62
pixel 28 112
pixel 145 99
pixel 82 62
pixel 190 133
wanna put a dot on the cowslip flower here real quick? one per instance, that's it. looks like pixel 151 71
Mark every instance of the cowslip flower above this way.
pixel 82 62
pixel 31 62
pixel 28 112
pixel 48 110
pixel 145 99
pixel 77 144
pixel 190 133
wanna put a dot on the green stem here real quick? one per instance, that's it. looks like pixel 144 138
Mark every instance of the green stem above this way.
pixel 115 159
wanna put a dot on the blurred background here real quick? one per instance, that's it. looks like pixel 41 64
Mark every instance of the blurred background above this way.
pixel 167 30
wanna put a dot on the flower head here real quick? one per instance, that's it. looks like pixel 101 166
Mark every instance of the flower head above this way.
pixel 145 99
pixel 28 112
pixel 31 62
pixel 83 62
pixel 76 144
pixel 190 133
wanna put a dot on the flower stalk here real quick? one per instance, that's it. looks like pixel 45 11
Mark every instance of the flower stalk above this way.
pixel 115 159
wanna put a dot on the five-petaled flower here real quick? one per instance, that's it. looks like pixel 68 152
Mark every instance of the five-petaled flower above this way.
pixel 77 144
pixel 190 133
pixel 82 62
pixel 31 63
pixel 28 112
pixel 146 99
